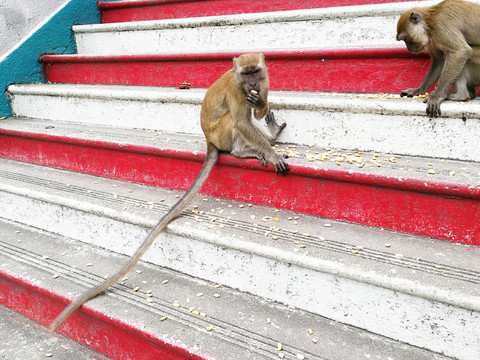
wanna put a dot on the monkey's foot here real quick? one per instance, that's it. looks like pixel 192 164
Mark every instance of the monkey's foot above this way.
pixel 274 128
pixel 410 92
pixel 459 97
pixel 433 107
pixel 263 160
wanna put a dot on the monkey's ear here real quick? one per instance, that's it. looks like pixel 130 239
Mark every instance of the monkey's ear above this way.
pixel 235 62
pixel 414 18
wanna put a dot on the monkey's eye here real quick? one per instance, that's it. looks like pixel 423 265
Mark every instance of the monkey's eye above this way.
pixel 250 72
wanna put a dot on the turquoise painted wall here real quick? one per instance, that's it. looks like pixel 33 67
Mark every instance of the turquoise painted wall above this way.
pixel 55 37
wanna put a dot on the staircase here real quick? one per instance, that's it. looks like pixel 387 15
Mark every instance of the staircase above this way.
pixel 366 249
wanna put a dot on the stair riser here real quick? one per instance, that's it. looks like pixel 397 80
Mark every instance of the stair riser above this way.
pixel 118 12
pixel 199 37
pixel 209 256
pixel 341 71
pixel 95 330
pixel 310 121
pixel 374 201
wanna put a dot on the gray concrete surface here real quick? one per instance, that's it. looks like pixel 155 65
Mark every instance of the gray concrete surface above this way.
pixel 23 339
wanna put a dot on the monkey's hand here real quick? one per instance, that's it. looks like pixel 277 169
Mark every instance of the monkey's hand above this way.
pixel 254 99
pixel 280 165
pixel 263 160
pixel 410 92
pixel 433 105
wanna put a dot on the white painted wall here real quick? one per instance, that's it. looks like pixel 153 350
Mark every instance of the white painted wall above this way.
pixel 19 17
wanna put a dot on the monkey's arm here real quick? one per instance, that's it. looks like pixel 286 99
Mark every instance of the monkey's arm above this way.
pixel 454 64
pixel 430 79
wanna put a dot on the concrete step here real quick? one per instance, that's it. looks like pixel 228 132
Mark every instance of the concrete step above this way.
pixel 343 70
pixel 363 122
pixel 25 339
pixel 417 195
pixel 124 324
pixel 339 27
pixel 404 287
pixel 126 11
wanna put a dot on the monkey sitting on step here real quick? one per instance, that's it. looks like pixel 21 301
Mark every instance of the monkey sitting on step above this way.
pixel 450 33
pixel 226 119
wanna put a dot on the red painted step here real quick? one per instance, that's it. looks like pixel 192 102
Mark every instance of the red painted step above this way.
pixel 396 201
pixel 105 335
pixel 123 11
pixel 344 70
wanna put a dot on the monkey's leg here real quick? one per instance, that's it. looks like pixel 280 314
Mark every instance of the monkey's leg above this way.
pixel 274 128
pixel 472 92
pixel 461 92
pixel 242 149
pixel 247 137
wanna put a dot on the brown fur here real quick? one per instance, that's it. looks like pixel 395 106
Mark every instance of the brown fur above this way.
pixel 226 115
pixel 227 125
pixel 450 33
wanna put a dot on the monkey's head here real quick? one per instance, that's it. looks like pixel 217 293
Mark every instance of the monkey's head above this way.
pixel 412 29
pixel 250 72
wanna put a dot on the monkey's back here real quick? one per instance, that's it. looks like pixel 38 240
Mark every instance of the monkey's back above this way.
pixel 215 116
pixel 464 14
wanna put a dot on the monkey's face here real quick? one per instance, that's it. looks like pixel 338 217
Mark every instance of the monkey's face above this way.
pixel 413 31
pixel 251 78
pixel 415 47
pixel 250 72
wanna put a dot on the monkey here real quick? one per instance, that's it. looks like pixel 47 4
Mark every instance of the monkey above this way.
pixel 450 33
pixel 226 120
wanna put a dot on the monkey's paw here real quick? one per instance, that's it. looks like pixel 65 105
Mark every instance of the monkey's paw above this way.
pixel 263 160
pixel 410 92
pixel 281 166
pixel 255 100
pixel 433 106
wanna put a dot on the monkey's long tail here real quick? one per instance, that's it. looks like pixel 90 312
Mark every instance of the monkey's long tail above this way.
pixel 210 160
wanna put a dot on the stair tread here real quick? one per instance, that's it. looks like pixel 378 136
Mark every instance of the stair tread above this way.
pixel 403 168
pixel 239 320
pixel 245 18
pixel 196 31
pixel 158 9
pixel 384 104
pixel 426 267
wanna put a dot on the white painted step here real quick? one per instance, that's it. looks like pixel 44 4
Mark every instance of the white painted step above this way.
pixel 353 26
pixel 244 326
pixel 346 121
pixel 423 297
pixel 349 27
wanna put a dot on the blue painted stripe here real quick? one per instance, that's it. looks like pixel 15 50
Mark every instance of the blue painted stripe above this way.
pixel 54 37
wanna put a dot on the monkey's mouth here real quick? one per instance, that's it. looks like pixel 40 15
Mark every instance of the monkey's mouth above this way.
pixel 416 48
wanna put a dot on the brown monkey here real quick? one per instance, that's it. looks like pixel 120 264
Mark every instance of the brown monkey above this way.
pixel 226 119
pixel 450 33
